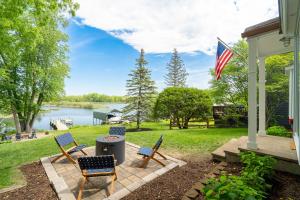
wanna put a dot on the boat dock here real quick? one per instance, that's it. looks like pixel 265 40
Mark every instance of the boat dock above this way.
pixel 59 124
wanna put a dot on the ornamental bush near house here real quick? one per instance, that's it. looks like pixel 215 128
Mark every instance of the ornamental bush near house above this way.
pixel 257 170
pixel 251 184
pixel 230 187
pixel 278 131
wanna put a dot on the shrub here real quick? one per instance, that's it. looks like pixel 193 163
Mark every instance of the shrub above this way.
pixel 230 187
pixel 231 120
pixel 257 170
pixel 250 185
pixel 278 131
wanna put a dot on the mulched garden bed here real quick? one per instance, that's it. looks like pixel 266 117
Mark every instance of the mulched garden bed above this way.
pixel 174 183
pixel 38 186
pixel 285 185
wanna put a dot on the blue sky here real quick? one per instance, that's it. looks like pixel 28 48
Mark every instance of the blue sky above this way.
pixel 100 63
pixel 106 36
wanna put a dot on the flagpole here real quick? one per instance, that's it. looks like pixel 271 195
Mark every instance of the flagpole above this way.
pixel 230 48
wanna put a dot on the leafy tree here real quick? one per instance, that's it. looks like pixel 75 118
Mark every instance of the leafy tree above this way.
pixel 182 104
pixel 176 76
pixel 233 86
pixel 140 91
pixel 33 58
pixel 277 84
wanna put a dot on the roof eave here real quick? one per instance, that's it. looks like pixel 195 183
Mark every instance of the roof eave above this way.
pixel 263 27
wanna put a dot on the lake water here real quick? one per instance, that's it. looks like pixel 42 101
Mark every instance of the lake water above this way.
pixel 80 116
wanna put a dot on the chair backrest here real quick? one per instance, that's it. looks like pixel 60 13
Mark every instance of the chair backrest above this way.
pixel 158 143
pixel 96 162
pixel 64 139
pixel 117 130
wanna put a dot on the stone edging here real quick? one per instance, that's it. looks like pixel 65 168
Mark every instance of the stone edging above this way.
pixel 61 188
pixel 195 191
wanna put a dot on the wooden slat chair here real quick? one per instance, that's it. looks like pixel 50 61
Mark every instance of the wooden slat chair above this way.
pixel 117 130
pixel 64 140
pixel 149 153
pixel 97 166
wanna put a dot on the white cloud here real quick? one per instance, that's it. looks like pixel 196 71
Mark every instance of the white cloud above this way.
pixel 158 26
pixel 83 43
pixel 199 78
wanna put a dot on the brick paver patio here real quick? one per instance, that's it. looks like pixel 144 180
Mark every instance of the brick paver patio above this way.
pixel 66 177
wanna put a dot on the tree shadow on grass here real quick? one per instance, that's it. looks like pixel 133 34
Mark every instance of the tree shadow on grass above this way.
pixel 138 130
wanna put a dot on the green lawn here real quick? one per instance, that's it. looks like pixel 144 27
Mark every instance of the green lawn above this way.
pixel 189 141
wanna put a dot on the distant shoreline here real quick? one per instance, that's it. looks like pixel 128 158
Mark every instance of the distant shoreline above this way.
pixel 86 105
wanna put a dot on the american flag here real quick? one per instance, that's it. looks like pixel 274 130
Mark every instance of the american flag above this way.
pixel 223 56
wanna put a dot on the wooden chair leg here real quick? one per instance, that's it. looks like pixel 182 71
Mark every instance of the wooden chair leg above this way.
pixel 161 155
pixel 145 162
pixel 112 187
pixel 62 155
pixel 70 158
pixel 116 177
pixel 57 157
pixel 81 188
pixel 158 161
pixel 83 152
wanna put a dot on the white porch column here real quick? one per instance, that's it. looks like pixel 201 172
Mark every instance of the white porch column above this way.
pixel 262 97
pixel 252 101
pixel 290 72
pixel 291 93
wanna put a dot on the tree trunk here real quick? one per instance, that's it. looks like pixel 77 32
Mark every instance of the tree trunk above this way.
pixel 207 123
pixel 178 122
pixel 138 121
pixel 23 125
pixel 186 123
pixel 29 114
pixel 16 119
pixel 170 124
pixel 28 127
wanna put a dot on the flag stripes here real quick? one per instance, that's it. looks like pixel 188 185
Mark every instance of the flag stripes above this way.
pixel 223 56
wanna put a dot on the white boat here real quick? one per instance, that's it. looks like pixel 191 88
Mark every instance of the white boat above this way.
pixel 116 119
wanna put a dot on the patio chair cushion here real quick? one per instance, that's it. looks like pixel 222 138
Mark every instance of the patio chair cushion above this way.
pixel 77 148
pixel 96 162
pixel 145 151
pixel 117 130
pixel 64 139
pixel 158 143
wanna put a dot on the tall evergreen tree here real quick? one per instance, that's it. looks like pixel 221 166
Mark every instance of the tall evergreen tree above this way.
pixel 176 76
pixel 140 91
